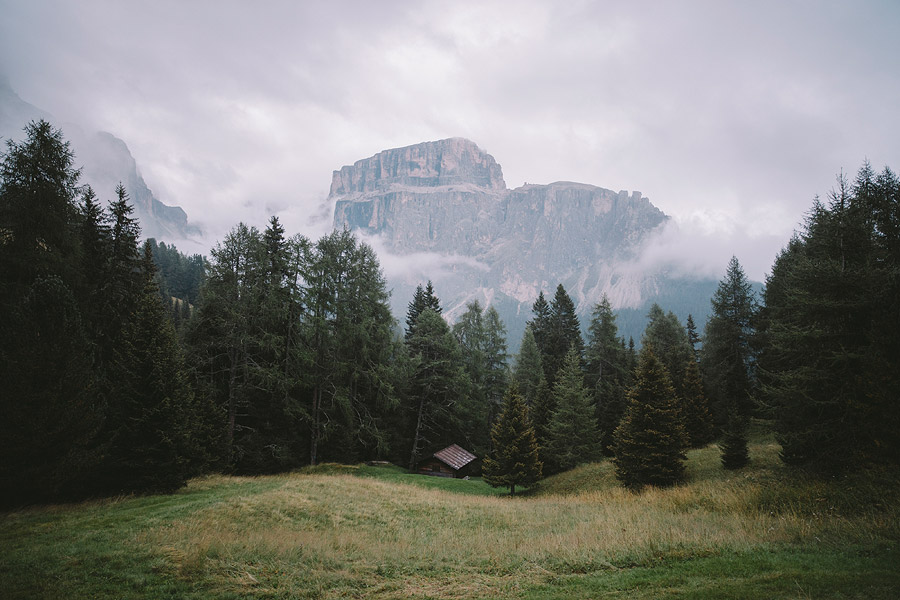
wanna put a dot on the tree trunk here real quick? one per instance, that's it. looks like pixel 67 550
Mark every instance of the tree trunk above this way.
pixel 413 459
pixel 314 438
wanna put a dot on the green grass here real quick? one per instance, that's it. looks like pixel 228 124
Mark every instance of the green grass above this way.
pixel 340 531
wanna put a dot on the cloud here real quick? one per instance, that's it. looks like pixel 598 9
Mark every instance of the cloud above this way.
pixel 237 111
pixel 419 267
pixel 700 245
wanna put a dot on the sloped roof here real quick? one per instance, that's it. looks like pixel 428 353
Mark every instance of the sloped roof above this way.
pixel 454 456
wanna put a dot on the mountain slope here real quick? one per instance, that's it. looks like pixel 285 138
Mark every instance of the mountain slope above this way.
pixel 441 210
pixel 105 161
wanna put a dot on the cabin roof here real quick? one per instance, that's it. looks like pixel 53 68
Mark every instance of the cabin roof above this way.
pixel 454 456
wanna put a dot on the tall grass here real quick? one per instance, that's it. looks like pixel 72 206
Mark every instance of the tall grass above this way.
pixel 362 533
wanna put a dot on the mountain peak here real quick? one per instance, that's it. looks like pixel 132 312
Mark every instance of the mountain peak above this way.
pixel 448 162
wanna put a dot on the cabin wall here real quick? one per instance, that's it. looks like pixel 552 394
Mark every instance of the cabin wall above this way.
pixel 435 468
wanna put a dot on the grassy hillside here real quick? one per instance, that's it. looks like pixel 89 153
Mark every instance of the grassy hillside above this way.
pixel 376 532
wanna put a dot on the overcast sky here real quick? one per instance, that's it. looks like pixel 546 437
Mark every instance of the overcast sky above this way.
pixel 730 117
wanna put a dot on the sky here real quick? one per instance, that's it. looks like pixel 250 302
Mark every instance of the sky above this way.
pixel 729 116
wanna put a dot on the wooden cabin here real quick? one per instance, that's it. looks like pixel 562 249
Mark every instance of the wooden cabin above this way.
pixel 452 461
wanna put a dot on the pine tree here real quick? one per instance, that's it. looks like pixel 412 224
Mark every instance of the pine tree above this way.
pixel 496 378
pixel 733 446
pixel 422 298
pixel 154 423
pixel 438 383
pixel 563 334
pixel 698 423
pixel 572 431
pixel 829 350
pixel 541 411
pixel 514 459
pixel 607 371
pixel 38 211
pixel 650 440
pixel 471 336
pixel 49 410
pixel 670 344
pixel 727 357
pixel 540 325
pixel 693 336
pixel 528 371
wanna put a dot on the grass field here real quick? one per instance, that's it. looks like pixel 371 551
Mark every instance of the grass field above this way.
pixel 377 532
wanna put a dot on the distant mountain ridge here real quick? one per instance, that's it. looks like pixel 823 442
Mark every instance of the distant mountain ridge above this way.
pixel 105 161
pixel 503 246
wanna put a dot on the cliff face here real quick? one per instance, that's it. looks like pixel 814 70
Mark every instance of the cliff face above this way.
pixel 449 197
pixel 105 161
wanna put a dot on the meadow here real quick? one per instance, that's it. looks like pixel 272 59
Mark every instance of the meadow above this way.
pixel 376 532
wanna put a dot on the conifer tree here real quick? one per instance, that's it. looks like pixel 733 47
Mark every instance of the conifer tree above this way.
pixel 155 427
pixel 693 336
pixel 670 344
pixel 607 371
pixel 733 445
pixel 496 378
pixel 514 459
pixel 572 431
pixel 698 422
pixel 650 440
pixel 727 357
pixel 829 330
pixel 540 325
pixel 471 336
pixel 422 298
pixel 563 334
pixel 38 187
pixel 528 371
pixel 49 410
pixel 541 411
pixel 438 384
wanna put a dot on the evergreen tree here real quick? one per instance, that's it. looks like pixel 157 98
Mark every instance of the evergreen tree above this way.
pixel 38 212
pixel 348 341
pixel 540 325
pixel 422 299
pixel 693 336
pixel 829 347
pixel 221 336
pixel 438 383
pixel 564 333
pixel 670 344
pixel 607 371
pixel 650 440
pixel 514 459
pixel 541 411
pixel 528 371
pixel 156 431
pixel 733 446
pixel 698 423
pixel 49 412
pixel 572 431
pixel 471 336
pixel 495 356
pixel 727 358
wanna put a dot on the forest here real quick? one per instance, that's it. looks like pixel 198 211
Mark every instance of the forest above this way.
pixel 128 367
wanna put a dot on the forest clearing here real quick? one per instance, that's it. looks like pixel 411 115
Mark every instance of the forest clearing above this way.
pixel 377 532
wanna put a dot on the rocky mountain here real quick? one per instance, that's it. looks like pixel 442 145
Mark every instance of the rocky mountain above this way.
pixel 105 161
pixel 445 205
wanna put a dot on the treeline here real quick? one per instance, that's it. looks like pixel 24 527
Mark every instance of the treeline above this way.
pixel 96 398
pixel 131 369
